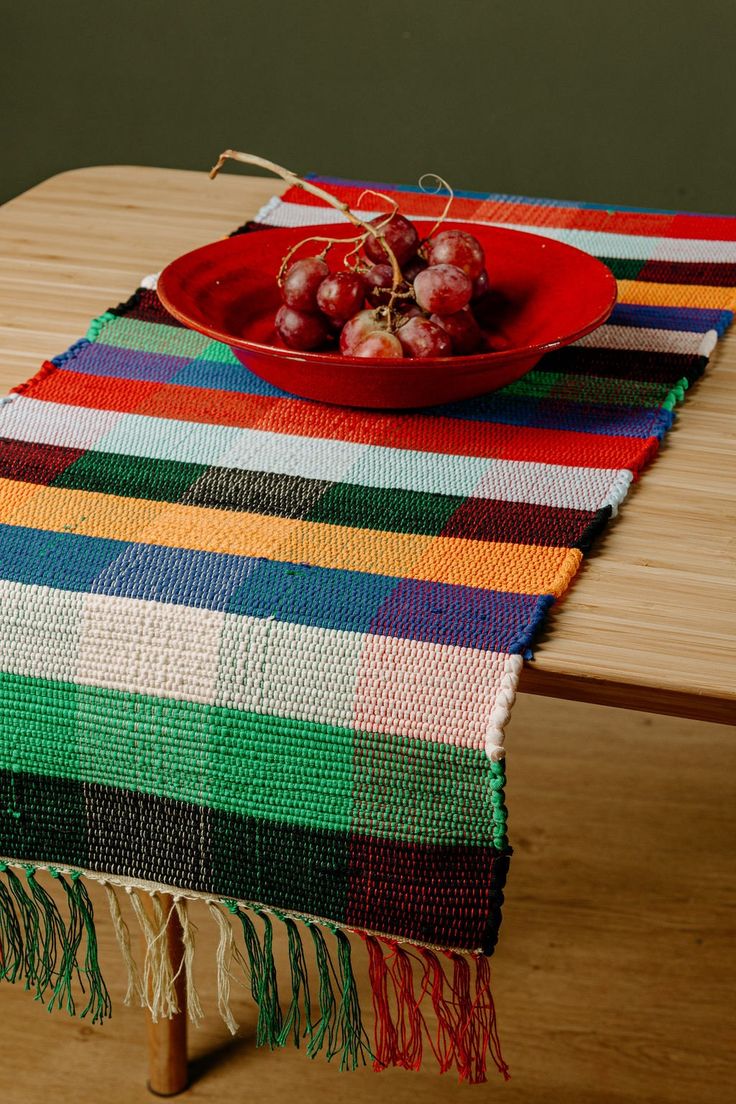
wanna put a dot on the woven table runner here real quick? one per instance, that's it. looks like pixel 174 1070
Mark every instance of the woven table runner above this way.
pixel 261 650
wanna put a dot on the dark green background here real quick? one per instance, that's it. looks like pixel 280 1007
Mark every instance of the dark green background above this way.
pixel 627 102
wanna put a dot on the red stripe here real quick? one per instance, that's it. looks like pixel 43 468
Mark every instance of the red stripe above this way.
pixel 30 462
pixel 423 432
pixel 611 221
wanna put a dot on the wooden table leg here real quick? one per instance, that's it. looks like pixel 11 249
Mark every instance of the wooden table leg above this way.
pixel 167 1040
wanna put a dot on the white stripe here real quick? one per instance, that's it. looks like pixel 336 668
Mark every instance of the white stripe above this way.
pixel 73 426
pixel 635 247
pixel 641 337
pixel 314 458
pixel 412 688
pixel 40 628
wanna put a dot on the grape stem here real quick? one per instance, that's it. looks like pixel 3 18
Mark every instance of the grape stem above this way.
pixel 296 181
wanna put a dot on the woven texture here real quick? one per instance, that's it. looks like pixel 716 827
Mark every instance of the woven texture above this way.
pixel 265 648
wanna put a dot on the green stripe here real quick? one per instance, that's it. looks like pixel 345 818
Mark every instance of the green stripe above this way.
pixel 385 508
pixel 152 337
pixel 623 268
pixel 576 387
pixel 130 476
pixel 294 772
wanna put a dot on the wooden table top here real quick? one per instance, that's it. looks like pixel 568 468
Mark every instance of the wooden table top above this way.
pixel 648 623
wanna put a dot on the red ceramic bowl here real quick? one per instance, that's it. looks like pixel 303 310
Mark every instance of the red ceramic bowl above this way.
pixel 544 295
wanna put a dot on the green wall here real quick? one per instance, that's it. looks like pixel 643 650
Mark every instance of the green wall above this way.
pixel 627 102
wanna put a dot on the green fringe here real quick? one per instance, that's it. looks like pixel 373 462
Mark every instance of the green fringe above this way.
pixel 324 1030
pixel 51 934
pixel 99 1003
pixel 299 987
pixel 40 946
pixel 336 1028
pixel 30 924
pixel 353 1040
pixel 63 995
pixel 11 937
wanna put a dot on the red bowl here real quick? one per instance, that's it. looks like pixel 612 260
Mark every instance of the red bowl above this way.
pixel 544 295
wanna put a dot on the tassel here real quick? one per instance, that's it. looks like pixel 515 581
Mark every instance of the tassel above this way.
pixel 464 1009
pixel 99 998
pixel 353 1040
pixel 29 928
pixel 134 992
pixel 434 982
pixel 299 987
pixel 268 1028
pixel 408 1015
pixel 188 931
pixel 51 934
pixel 63 994
pixel 158 977
pixel 486 1033
pixel 224 965
pixel 385 1037
pixel 254 965
pixel 11 938
pixel 323 1031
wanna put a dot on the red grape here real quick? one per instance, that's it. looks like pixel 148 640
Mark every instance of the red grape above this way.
pixel 341 295
pixel 421 338
pixel 300 330
pixel 300 284
pixel 408 309
pixel 358 329
pixel 413 267
pixel 378 345
pixel 380 279
pixel 456 247
pixel 480 285
pixel 463 330
pixel 442 289
pixel 401 236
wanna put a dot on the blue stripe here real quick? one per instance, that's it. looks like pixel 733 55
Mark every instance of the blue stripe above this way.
pixel 99 359
pixel 605 419
pixel 225 377
pixel 297 593
pixel 687 319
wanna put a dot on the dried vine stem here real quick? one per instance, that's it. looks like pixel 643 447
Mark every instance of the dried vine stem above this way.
pixel 314 189
pixel 440 183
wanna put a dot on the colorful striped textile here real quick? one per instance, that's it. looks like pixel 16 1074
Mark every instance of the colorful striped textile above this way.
pixel 262 651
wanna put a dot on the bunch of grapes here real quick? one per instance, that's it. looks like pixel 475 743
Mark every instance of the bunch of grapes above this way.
pixel 401 298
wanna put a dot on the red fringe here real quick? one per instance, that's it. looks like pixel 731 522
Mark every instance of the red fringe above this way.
pixel 385 1048
pixel 466 1031
pixel 409 1017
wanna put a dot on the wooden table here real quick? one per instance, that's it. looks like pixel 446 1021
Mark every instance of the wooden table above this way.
pixel 648 623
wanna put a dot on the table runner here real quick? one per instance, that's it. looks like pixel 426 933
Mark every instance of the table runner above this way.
pixel 261 650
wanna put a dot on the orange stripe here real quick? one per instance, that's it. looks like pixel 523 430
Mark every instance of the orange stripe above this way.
pixel 527 569
pixel 645 294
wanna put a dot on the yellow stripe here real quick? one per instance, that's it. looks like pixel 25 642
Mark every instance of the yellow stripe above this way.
pixel 644 294
pixel 528 569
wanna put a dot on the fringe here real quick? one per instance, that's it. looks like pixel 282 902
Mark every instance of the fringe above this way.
pixel 188 932
pixel 40 946
pixel 158 974
pixel 422 999
pixel 134 992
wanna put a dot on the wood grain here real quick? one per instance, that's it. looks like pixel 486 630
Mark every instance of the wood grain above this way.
pixel 614 975
pixel 649 621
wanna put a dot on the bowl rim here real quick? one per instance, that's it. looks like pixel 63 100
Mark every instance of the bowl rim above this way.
pixel 481 360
